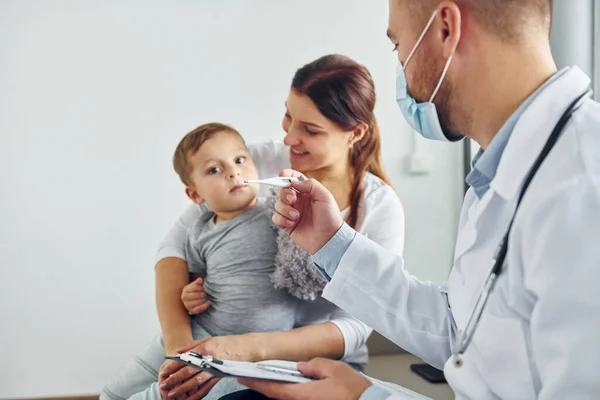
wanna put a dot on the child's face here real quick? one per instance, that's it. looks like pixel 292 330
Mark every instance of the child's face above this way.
pixel 219 169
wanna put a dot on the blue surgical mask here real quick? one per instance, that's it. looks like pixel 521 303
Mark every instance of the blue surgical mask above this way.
pixel 422 117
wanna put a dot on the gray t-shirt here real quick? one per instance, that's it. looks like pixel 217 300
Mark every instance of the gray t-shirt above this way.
pixel 236 259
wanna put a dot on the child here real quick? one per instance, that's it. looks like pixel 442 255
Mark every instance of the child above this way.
pixel 232 248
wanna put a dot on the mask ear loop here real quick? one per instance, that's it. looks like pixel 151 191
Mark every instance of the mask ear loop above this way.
pixel 437 88
pixel 420 39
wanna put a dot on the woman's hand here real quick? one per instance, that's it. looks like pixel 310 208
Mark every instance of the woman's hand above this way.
pixel 197 384
pixel 178 380
pixel 307 212
pixel 194 298
pixel 336 381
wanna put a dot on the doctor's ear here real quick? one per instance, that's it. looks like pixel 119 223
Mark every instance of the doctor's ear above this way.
pixel 449 26
pixel 193 195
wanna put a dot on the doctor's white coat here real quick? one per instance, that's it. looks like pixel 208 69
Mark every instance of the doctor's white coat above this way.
pixel 539 336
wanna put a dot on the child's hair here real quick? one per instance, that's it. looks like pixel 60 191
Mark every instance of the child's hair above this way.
pixel 191 143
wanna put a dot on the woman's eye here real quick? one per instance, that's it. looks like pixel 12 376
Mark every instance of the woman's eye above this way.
pixel 310 132
pixel 214 170
pixel 395 48
pixel 240 160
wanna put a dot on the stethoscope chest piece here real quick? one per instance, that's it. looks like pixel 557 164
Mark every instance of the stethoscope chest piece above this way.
pixel 457 361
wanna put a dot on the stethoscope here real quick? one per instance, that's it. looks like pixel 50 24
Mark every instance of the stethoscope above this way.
pixel 464 337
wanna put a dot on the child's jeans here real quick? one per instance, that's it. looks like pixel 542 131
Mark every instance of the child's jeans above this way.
pixel 138 379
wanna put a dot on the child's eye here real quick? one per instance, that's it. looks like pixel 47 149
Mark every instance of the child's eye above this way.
pixel 240 160
pixel 214 170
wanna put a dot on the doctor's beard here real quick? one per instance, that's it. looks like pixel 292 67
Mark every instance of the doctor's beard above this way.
pixel 422 85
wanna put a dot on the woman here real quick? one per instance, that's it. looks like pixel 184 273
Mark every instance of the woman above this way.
pixel 331 136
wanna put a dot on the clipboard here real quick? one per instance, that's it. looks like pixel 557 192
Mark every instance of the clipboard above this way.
pixel 272 370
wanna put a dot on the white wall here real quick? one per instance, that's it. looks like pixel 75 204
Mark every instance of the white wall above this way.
pixel 94 96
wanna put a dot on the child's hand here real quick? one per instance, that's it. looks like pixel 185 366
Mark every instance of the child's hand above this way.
pixel 194 297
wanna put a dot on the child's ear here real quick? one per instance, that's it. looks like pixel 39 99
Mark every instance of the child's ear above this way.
pixel 193 195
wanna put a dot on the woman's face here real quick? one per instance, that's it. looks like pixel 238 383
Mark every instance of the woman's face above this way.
pixel 315 142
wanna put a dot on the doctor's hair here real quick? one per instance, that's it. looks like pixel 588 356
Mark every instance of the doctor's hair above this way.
pixel 192 142
pixel 344 92
pixel 509 20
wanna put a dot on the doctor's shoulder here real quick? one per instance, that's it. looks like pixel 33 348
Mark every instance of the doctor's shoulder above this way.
pixel 568 182
pixel 577 159
pixel 587 134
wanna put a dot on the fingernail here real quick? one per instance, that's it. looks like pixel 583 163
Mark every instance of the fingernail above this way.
pixel 163 385
pixel 294 214
pixel 172 395
pixel 289 222
pixel 289 198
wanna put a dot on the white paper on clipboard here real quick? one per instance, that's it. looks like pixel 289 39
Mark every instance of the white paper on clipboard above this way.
pixel 275 370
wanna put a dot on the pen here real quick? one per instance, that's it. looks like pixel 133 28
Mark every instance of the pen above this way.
pixel 286 371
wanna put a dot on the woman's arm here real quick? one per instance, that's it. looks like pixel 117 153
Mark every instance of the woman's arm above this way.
pixel 341 336
pixel 300 344
pixel 355 334
pixel 171 277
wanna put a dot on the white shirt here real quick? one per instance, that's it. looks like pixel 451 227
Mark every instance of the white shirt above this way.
pixel 538 336
pixel 380 217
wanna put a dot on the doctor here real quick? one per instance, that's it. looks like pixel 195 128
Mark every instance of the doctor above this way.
pixel 482 69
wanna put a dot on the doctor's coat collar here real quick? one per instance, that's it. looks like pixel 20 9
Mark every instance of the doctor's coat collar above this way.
pixel 533 129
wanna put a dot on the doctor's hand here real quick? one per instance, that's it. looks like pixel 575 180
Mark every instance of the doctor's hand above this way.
pixel 307 212
pixel 337 381
pixel 194 298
